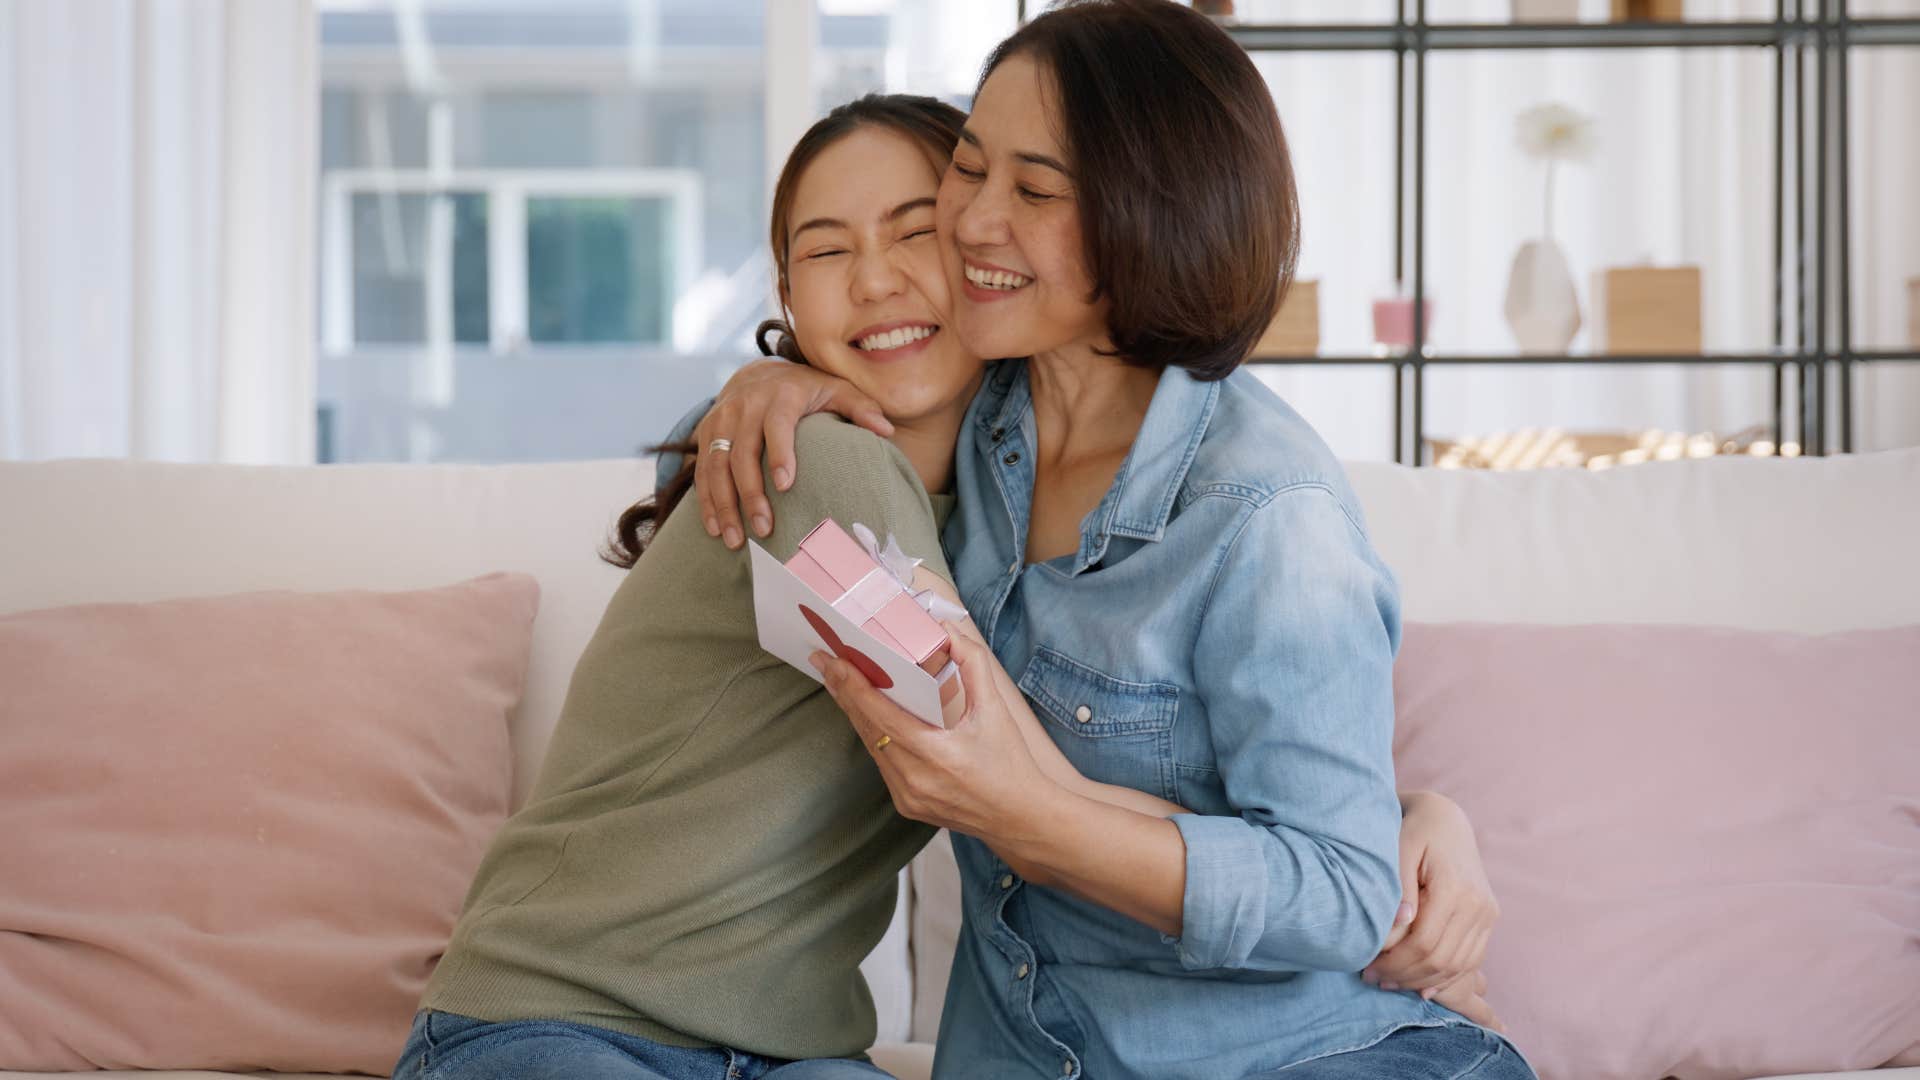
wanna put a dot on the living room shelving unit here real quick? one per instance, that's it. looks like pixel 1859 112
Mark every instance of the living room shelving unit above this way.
pixel 1816 34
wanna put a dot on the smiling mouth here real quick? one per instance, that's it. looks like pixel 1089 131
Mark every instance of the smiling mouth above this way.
pixel 897 338
pixel 996 280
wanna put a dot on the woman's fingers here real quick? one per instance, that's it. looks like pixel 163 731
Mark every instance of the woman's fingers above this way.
pixel 1009 693
pixel 713 479
pixel 1435 949
pixel 760 408
pixel 1416 963
pixel 1460 944
pixel 859 408
pixel 738 416
pixel 872 713
pixel 1461 999
pixel 782 421
pixel 977 668
pixel 1434 991
pixel 1473 950
pixel 743 462
pixel 908 772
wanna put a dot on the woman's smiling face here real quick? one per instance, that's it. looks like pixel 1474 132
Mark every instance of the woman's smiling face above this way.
pixel 865 286
pixel 1014 256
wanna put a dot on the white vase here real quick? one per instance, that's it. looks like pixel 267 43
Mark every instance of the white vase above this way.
pixel 1542 307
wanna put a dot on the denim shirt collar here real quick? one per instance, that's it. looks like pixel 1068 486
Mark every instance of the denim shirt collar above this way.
pixel 1140 501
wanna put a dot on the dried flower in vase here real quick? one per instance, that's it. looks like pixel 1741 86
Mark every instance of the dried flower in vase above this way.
pixel 1542 307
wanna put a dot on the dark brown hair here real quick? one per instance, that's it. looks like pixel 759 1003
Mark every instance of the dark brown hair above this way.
pixel 932 123
pixel 1187 202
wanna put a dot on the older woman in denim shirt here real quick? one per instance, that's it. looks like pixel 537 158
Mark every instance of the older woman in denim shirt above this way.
pixel 1175 567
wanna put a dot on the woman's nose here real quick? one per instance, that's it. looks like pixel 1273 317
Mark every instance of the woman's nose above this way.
pixel 875 277
pixel 982 220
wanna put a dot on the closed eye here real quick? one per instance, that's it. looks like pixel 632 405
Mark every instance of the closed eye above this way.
pixel 824 254
pixel 928 231
pixel 966 173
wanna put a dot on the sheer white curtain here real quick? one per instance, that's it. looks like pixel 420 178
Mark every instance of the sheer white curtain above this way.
pixel 157 162
pixel 1886 253
pixel 1683 173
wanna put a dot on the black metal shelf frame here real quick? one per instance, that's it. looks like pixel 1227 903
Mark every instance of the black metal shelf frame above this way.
pixel 1826 34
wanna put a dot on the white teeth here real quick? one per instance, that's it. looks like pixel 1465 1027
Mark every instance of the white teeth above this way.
pixel 996 279
pixel 893 339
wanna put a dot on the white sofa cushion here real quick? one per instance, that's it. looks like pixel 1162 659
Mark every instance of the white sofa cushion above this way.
pixel 1809 544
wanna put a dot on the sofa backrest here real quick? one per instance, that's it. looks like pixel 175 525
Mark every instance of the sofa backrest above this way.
pixel 86 531
pixel 1812 545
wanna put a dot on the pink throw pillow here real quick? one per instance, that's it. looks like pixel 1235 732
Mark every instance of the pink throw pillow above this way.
pixel 235 833
pixel 1705 842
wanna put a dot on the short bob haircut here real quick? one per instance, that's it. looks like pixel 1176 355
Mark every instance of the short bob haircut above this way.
pixel 1186 191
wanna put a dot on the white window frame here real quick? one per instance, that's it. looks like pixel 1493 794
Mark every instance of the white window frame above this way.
pixel 507 192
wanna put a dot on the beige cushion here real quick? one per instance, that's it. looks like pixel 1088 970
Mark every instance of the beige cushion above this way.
pixel 237 830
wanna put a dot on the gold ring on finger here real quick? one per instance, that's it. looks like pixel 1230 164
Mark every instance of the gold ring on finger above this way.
pixel 882 742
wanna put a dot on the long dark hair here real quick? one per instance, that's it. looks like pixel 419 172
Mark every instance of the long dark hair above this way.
pixel 932 123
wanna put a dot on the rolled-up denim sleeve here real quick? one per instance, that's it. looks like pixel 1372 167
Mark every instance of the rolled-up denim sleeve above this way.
pixel 667 463
pixel 1294 665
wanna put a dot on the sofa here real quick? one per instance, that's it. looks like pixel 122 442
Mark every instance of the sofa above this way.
pixel 1810 545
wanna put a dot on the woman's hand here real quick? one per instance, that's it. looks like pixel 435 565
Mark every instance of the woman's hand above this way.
pixel 1467 996
pixel 977 777
pixel 1046 753
pixel 761 405
pixel 1447 910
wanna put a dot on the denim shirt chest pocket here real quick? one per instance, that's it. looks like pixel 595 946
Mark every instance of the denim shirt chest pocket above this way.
pixel 1112 730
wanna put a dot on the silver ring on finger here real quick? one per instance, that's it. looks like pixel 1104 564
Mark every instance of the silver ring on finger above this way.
pixel 720 446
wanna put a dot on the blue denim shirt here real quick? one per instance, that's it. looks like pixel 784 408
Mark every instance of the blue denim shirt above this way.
pixel 1223 638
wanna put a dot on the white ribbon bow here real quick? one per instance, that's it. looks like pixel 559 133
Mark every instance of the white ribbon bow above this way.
pixel 901 566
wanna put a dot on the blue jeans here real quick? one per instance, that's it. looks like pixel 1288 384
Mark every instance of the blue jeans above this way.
pixel 1448 1052
pixel 447 1046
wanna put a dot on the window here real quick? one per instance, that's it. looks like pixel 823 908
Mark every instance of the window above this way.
pixel 508 259
pixel 542 221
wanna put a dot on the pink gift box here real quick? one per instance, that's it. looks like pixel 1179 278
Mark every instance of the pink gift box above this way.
pixel 833 564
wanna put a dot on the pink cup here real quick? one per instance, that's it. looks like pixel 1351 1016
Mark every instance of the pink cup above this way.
pixel 1393 321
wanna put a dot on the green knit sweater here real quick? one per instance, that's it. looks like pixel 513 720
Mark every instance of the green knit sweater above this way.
pixel 708 852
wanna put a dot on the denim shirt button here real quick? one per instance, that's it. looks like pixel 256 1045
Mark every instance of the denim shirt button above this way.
pixel 1084 714
pixel 999 433
pixel 1066 1068
pixel 1012 458
pixel 1021 971
pixel 1006 881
